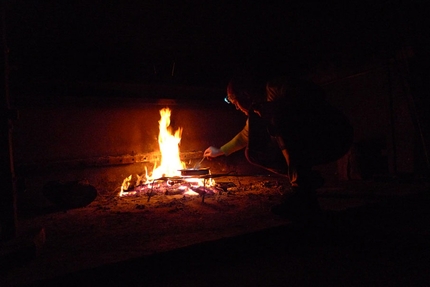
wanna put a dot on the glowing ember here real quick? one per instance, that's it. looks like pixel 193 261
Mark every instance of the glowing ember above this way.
pixel 162 177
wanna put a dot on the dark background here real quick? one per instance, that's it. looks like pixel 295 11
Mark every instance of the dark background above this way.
pixel 201 43
pixel 371 57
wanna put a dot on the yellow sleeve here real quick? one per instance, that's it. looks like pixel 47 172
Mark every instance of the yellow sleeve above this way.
pixel 238 142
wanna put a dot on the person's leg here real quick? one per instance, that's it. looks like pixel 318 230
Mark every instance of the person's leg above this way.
pixel 309 142
pixel 289 158
pixel 302 201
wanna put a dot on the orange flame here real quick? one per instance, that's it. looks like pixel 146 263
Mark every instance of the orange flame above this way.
pixel 171 163
pixel 169 147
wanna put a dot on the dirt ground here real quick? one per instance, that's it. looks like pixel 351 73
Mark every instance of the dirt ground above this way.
pixel 113 228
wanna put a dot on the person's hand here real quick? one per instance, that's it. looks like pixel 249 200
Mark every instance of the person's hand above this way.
pixel 212 152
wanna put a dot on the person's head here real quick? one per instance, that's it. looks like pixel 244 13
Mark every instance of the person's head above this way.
pixel 243 91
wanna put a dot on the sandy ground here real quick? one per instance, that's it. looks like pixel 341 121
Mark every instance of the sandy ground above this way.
pixel 113 228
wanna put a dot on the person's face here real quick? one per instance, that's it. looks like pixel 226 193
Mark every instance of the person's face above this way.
pixel 232 99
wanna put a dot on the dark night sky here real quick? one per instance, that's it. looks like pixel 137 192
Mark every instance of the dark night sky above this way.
pixel 131 40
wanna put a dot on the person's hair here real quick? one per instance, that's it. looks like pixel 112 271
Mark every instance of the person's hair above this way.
pixel 247 88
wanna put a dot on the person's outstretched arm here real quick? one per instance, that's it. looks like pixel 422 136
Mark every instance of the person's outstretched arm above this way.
pixel 237 143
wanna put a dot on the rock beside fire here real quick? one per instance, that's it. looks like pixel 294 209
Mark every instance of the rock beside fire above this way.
pixel 72 194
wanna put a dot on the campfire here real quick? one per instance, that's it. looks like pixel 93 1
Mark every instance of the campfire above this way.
pixel 171 176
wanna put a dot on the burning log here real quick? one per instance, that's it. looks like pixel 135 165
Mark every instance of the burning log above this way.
pixel 224 186
pixel 201 190
pixel 174 191
pixel 175 181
